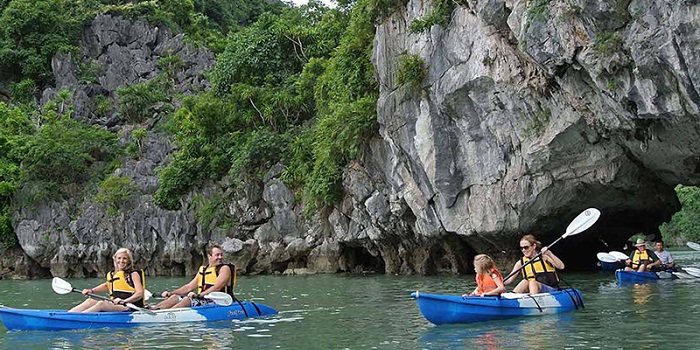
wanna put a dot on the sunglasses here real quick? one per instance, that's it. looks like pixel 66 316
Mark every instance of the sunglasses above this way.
pixel 525 247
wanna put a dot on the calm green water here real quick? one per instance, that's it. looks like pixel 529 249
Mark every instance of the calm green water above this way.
pixel 376 312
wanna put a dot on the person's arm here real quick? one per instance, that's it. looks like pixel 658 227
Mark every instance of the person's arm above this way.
pixel 671 261
pixel 552 259
pixel 221 280
pixel 516 267
pixel 501 287
pixel 99 289
pixel 655 259
pixel 192 285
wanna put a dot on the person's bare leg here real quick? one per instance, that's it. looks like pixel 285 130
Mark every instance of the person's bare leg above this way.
pixel 106 306
pixel 167 303
pixel 642 268
pixel 84 305
pixel 185 302
pixel 534 287
pixel 522 287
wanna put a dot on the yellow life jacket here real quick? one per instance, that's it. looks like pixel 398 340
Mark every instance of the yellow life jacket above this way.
pixel 540 270
pixel 121 285
pixel 639 258
pixel 207 275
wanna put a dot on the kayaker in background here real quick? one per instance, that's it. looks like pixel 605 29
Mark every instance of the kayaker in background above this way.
pixel 667 261
pixel 124 284
pixel 642 259
pixel 488 279
pixel 214 277
pixel 539 276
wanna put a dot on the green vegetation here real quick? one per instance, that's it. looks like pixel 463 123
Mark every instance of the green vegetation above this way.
pixel 685 224
pixel 411 71
pixel 64 150
pixel 32 31
pixel 613 84
pixel 538 123
pixel 292 86
pixel 439 15
pixel 538 10
pixel 15 125
pixel 114 191
pixel 135 148
pixel 136 102
pixel 607 42
pixel 295 88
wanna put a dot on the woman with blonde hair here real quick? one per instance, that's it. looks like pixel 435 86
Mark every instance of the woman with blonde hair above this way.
pixel 539 272
pixel 124 284
pixel 488 279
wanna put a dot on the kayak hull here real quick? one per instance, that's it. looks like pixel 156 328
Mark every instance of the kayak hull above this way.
pixel 610 266
pixel 449 309
pixel 642 277
pixel 27 319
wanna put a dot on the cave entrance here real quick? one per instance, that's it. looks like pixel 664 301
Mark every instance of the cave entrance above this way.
pixel 358 259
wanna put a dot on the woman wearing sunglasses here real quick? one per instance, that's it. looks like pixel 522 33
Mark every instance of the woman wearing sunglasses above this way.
pixel 540 275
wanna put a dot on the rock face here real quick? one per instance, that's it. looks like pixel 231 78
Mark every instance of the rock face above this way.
pixel 530 112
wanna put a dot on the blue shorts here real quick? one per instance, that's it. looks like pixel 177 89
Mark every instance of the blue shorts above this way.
pixel 546 289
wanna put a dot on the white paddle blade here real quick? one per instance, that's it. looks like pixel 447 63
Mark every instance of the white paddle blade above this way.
pixel 693 246
pixel 683 275
pixel 619 255
pixel 220 298
pixel 692 271
pixel 147 294
pixel 582 222
pixel 605 257
pixel 60 286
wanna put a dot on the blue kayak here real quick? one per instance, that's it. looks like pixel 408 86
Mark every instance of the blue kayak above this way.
pixel 642 277
pixel 610 266
pixel 26 319
pixel 446 309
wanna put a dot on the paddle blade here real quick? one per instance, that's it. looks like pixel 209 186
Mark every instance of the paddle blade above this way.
pixel 147 294
pixel 582 222
pixel 619 255
pixel 60 286
pixel 605 257
pixel 693 246
pixel 692 271
pixel 220 298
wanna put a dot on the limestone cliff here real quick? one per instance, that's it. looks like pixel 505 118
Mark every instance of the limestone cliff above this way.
pixel 530 112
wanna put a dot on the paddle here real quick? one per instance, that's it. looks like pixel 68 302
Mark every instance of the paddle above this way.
pixel 619 255
pixel 61 286
pixel 693 246
pixel 692 271
pixel 219 298
pixel 605 257
pixel 581 223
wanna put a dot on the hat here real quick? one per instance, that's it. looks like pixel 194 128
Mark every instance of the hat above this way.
pixel 640 241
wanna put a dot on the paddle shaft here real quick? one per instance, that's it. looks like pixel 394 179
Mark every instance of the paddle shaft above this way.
pixel 531 260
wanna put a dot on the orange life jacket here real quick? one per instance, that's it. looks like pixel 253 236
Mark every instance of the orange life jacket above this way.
pixel 486 283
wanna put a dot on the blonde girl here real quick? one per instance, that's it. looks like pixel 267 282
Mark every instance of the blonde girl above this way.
pixel 488 279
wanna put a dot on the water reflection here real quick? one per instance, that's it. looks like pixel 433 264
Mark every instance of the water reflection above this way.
pixel 524 333
pixel 641 293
